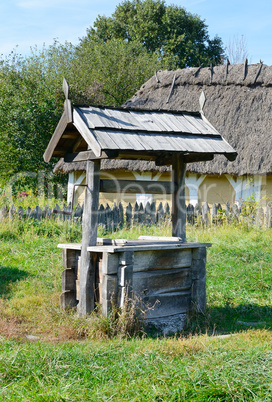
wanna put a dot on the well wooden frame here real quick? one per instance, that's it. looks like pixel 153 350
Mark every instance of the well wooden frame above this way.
pixel 168 138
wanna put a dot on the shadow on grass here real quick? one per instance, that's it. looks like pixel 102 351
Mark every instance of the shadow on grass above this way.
pixel 228 319
pixel 9 275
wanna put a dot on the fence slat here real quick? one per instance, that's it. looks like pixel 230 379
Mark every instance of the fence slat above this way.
pixel 129 214
pixel 110 219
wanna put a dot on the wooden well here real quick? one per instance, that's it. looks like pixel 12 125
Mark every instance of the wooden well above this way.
pixel 168 274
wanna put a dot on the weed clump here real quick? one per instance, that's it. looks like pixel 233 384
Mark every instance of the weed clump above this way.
pixel 123 322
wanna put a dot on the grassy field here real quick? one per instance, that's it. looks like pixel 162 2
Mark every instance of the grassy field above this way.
pixel 50 355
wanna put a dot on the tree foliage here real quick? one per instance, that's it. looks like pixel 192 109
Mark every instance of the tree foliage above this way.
pixel 30 107
pixel 109 64
pixel 113 71
pixel 180 39
pixel 31 98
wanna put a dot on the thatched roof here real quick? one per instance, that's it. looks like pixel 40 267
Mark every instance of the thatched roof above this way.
pixel 238 104
pixel 111 165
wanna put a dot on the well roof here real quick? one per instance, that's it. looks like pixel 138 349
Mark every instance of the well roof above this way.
pixel 136 134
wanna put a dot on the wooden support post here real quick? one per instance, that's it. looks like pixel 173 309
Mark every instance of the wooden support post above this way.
pixel 89 236
pixel 178 198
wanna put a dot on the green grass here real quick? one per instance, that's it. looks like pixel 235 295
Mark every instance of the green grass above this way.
pixel 198 369
pixel 74 360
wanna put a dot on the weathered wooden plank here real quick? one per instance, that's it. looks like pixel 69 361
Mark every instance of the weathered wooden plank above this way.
pixel 148 247
pixel 186 125
pixel 62 124
pixel 28 212
pixel 205 213
pixel 101 216
pixel 166 120
pixel 227 69
pixel 135 216
pixel 106 140
pixel 70 255
pixel 198 70
pixel 162 281
pixel 68 299
pixel 178 198
pixel 141 214
pixel 200 125
pixel 172 88
pixel 110 263
pixel 128 214
pixel 88 155
pixel 72 135
pixel 245 69
pixel 21 212
pixel 108 218
pixel 37 213
pixel 182 124
pixel 78 212
pixel 99 118
pixel 123 119
pixel 165 305
pixel 109 289
pixel 46 214
pixel 153 213
pixel 211 72
pixel 89 236
pixel 162 259
pixel 199 280
pixel 68 280
pixel 161 122
pixel 12 212
pixel 86 132
pixel 121 215
pixel 126 140
pixel 190 214
pixel 258 72
pixel 105 241
pixel 159 238
pixel 146 122
pixel 191 158
pixel 68 110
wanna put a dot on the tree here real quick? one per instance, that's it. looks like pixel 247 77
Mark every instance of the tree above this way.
pixel 237 50
pixel 178 38
pixel 112 72
pixel 31 97
pixel 29 111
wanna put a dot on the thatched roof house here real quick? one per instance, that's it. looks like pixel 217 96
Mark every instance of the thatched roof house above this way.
pixel 240 109
pixel 238 103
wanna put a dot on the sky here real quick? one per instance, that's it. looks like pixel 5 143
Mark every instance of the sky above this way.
pixel 29 23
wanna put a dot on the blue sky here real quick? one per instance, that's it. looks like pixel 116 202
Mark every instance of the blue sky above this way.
pixel 26 23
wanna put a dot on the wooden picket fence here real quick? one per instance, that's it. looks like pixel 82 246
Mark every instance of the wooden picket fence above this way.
pixel 111 219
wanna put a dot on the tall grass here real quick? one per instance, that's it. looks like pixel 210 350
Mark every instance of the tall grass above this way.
pixel 224 355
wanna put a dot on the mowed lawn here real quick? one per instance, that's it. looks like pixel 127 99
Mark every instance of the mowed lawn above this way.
pixel 50 355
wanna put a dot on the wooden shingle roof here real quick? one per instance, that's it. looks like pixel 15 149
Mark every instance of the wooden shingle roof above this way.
pixel 135 134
